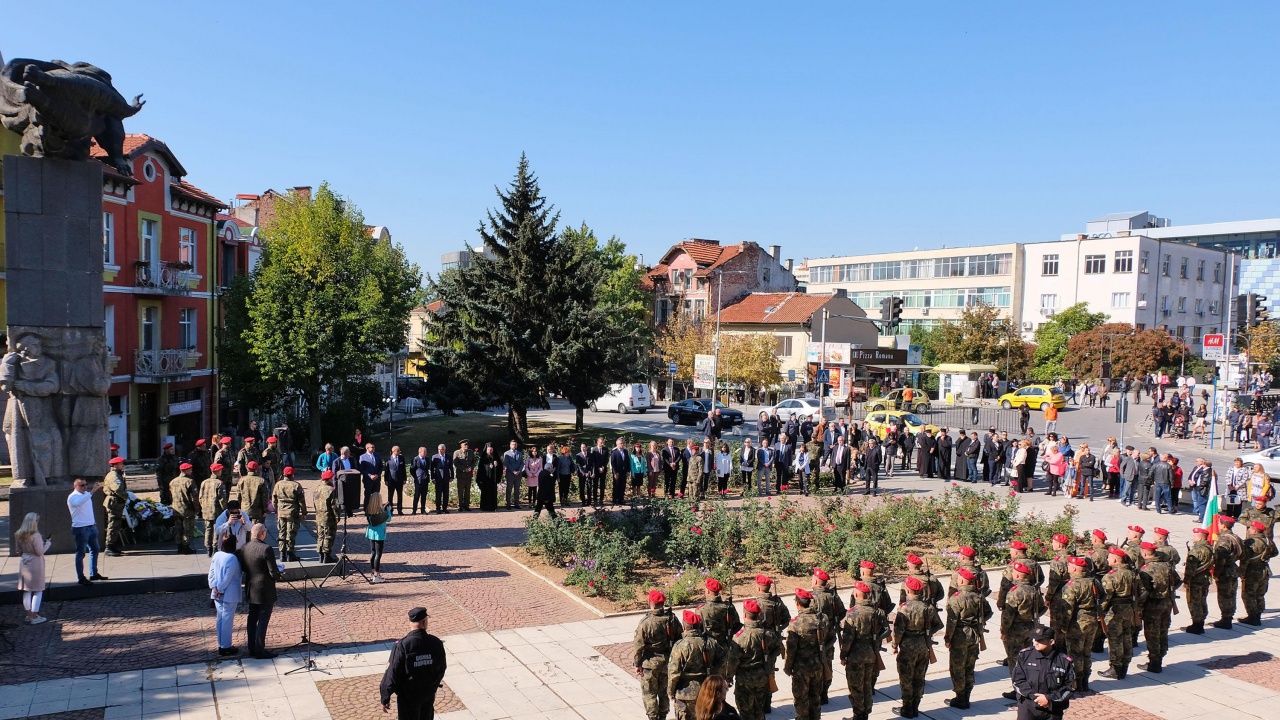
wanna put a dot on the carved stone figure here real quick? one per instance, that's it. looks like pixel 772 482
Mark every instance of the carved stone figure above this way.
pixel 59 107
pixel 30 424
pixel 85 382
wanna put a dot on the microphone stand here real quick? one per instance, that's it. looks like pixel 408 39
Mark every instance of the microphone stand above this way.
pixel 308 661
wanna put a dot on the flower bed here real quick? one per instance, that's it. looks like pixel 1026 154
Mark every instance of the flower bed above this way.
pixel 603 552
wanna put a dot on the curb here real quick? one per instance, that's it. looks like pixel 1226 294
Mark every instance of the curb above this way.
pixel 596 611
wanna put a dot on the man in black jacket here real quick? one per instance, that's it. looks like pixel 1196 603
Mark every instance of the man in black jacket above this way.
pixel 786 455
pixel 992 456
pixel 872 456
pixel 395 474
pixel 839 460
pixel 599 463
pixel 258 560
pixel 746 462
pixel 711 426
pixel 582 468
pixel 414 672
pixel 421 468
pixel 441 474
pixel 944 454
pixel 1043 678
pixel 620 468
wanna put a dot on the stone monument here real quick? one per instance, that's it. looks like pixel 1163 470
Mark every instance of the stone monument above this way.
pixel 55 373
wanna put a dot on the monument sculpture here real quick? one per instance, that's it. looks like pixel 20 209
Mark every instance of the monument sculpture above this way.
pixel 55 373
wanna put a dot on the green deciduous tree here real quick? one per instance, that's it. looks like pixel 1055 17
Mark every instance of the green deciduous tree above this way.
pixel 239 377
pixel 980 335
pixel 327 302
pixel 750 361
pixel 680 340
pixel 1050 360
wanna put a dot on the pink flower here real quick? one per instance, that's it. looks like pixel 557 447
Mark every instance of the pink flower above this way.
pixel 961 517
pixel 1013 493
pixel 696 530
pixel 573 519
pixel 591 584
pixel 955 484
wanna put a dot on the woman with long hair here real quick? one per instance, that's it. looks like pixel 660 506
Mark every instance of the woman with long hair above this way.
pixel 31 581
pixel 532 468
pixel 802 468
pixel 488 473
pixel 225 581
pixel 710 704
pixel 1018 466
pixel 639 468
pixel 724 468
pixel 653 464
pixel 376 515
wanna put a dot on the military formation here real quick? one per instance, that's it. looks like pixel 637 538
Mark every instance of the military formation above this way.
pixel 1107 596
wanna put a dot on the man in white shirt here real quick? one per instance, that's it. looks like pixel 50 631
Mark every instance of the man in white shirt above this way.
pixel 84 527
pixel 231 522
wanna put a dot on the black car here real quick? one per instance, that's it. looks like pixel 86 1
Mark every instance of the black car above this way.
pixel 692 412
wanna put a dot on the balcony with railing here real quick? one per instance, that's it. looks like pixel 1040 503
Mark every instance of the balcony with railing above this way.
pixel 164 278
pixel 163 365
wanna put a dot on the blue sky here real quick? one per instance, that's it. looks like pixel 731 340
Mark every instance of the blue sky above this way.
pixel 825 128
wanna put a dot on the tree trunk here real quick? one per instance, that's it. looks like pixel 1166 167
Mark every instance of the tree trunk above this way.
pixel 577 422
pixel 313 415
pixel 518 422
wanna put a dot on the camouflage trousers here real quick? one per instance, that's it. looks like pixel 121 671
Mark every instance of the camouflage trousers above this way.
pixel 1120 637
pixel 828 652
pixel 683 708
pixel 1198 603
pixel 1080 647
pixel 1017 637
pixel 653 688
pixel 751 690
pixel 861 674
pixel 806 687
pixel 210 527
pixel 913 662
pixel 1226 594
pixel 115 526
pixel 964 654
pixel 324 539
pixel 1253 590
pixel 288 532
pixel 184 528
pixel 1156 617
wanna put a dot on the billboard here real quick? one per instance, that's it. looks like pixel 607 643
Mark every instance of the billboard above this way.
pixel 837 353
pixel 704 372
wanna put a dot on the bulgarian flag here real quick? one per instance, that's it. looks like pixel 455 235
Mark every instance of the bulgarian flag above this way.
pixel 1210 522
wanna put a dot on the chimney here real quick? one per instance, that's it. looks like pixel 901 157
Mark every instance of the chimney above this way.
pixel 790 263
pixel 840 292
pixel 775 251
pixel 303 191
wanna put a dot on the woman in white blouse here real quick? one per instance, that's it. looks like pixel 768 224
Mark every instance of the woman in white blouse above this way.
pixel 225 581
pixel 802 468
pixel 724 466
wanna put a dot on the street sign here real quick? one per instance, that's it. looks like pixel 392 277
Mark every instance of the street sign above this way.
pixel 672 368
pixel 1214 346
pixel 824 376
pixel 791 375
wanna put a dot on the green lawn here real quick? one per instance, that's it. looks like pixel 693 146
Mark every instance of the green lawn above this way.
pixel 480 428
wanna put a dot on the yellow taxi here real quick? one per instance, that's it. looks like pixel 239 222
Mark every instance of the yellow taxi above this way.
pixel 1033 396
pixel 879 421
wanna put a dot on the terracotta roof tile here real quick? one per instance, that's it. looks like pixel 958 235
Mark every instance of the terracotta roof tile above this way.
pixel 774 308
pixel 726 255
pixel 703 252
pixel 185 188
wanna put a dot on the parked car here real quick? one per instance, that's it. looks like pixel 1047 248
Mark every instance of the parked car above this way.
pixel 624 399
pixel 802 407
pixel 1269 459
pixel 893 401
pixel 694 411
pixel 879 422
pixel 1033 396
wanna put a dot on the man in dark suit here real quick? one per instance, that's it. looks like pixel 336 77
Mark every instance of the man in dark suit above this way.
pixel 785 456
pixel 685 456
pixel 582 468
pixel 397 473
pixel 708 469
pixel 839 461
pixel 620 467
pixel 944 454
pixel 441 473
pixel 258 560
pixel 599 466
pixel 421 469
pixel 873 457
pixel 370 471
pixel 991 457
pixel 711 426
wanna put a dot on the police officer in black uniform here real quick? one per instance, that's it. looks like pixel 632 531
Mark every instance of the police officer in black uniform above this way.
pixel 1043 678
pixel 415 671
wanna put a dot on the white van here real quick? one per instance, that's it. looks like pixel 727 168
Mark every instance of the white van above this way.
pixel 624 399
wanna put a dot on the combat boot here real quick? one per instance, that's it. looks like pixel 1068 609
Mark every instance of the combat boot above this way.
pixel 1152 666
pixel 1195 628
pixel 1249 620
pixel 1111 673
pixel 959 702
pixel 1223 624
pixel 1083 684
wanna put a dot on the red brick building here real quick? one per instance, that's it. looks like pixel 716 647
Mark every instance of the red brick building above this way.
pixel 688 278
pixel 160 278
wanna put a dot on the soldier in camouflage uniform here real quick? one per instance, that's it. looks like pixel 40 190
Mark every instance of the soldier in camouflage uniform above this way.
pixel 225 458
pixel 272 462
pixel 757 645
pixel 1197 573
pixel 213 500
pixel 115 494
pixel 879 596
pixel 969 561
pixel 253 493
pixel 827 602
pixel 1254 573
pixel 1081 597
pixel 166 471
pixel 326 507
pixel 1259 512
pixel 1035 576
pixel 185 501
pixel 720 621
pixel 1120 595
pixel 291 511
pixel 1166 551
pixel 248 454
pixel 932 593
pixel 1159 583
pixel 1019 613
pixel 1227 551
pixel 655 636
pixel 861 632
pixel 913 630
pixel 773 615
pixel 694 658
pixel 1132 545
pixel 1053 590
pixel 1099 567
pixel 967 615
pixel 805 663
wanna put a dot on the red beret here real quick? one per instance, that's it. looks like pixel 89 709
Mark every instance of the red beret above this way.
pixel 1149 546
pixel 965 573
pixel 805 594
pixel 249 440
pixel 862 588
pixel 1019 567
pixel 914 559
pixel 1136 528
pixel 199 442
pixel 821 574
pixel 691 617
pixel 1226 519
pixel 1060 538
pixel 184 466
pixel 1100 535
pixel 326 475
pixel 167 446
pixel 1118 552
pixel 1199 531
pixel 1078 561
pixel 287 470
pixel 225 440
pixel 713 585
pixel 655 596
pixel 215 467
pixel 763 580
pixel 1260 527
pixel 115 446
pixel 1018 545
pixel 1260 497
pixel 751 606
pixel 913 583
pixel 867 564
pixel 967 551
pixel 253 465
pixel 1160 531
pixel 271 439
pixel 116 461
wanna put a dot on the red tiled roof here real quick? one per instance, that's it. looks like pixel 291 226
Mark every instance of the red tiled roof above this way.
pixel 435 306
pixel 774 308
pixel 135 143
pixel 726 255
pixel 223 217
pixel 183 187
pixel 703 252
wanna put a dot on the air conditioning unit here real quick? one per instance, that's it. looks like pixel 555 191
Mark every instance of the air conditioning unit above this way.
pixel 1166 312
pixel 924 311
pixel 1028 326
pixel 1048 312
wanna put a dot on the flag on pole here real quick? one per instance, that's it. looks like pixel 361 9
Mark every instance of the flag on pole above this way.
pixel 1211 517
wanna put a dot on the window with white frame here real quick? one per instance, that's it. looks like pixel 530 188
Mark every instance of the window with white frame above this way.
pixel 784 345
pixel 1143 257
pixel 1182 304
pixel 150 240
pixel 108 239
pixel 1095 264
pixel 1200 270
pixel 1120 299
pixel 1165 262
pixel 187 328
pixel 1049 301
pixel 1123 261
pixel 109 326
pixel 187 247
pixel 1213 307
pixel 1217 272
pixel 1164 303
pixel 1049 265
pixel 1199 306
pixel 1182 268
pixel 1196 333
pixel 148 334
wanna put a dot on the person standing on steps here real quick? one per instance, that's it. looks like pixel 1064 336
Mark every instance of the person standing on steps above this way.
pixel 213 500
pixel 326 507
pixel 291 511
pixel 415 671
pixel 185 501
pixel 1197 574
pixel 1159 583
pixel 84 528
pixel 116 494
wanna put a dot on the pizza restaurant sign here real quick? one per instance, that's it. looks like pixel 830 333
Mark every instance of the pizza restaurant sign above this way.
pixel 843 354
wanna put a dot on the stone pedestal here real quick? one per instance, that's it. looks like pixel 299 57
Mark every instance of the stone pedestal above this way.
pixel 50 502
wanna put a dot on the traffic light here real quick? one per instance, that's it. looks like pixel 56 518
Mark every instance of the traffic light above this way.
pixel 895 312
pixel 886 310
pixel 1240 311
pixel 1256 310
